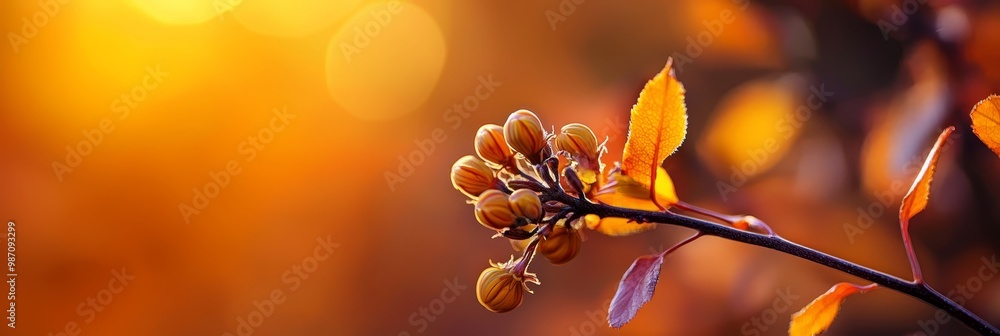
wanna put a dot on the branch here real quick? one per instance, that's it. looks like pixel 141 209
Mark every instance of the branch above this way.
pixel 917 290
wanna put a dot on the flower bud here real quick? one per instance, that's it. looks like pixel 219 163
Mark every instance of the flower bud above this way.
pixel 578 141
pixel 498 290
pixel 493 210
pixel 523 132
pixel 526 203
pixel 491 146
pixel 562 245
pixel 471 176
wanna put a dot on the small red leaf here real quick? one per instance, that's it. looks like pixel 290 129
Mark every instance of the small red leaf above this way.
pixel 635 289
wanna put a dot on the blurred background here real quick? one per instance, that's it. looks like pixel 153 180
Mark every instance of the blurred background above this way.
pixel 204 167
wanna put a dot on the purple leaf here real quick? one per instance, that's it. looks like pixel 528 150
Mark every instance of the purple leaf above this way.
pixel 635 289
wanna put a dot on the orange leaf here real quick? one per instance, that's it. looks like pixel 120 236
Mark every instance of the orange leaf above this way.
pixel 657 128
pixel 819 314
pixel 916 199
pixel 986 122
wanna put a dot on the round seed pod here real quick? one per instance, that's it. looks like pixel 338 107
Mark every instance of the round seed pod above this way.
pixel 491 145
pixel 493 210
pixel 578 141
pixel 523 132
pixel 498 290
pixel 526 203
pixel 471 176
pixel 562 245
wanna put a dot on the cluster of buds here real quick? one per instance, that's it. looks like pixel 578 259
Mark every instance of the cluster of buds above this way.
pixel 508 180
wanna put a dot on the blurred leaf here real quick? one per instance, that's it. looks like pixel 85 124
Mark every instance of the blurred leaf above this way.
pixel 635 289
pixel 754 125
pixel 901 124
pixel 986 122
pixel 744 35
pixel 817 316
pixel 916 199
pixel 981 47
pixel 657 128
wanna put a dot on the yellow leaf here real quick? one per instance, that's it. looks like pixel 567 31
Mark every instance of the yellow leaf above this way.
pixel 625 192
pixel 754 125
pixel 916 199
pixel 986 122
pixel 635 191
pixel 819 314
pixel 617 227
pixel 657 127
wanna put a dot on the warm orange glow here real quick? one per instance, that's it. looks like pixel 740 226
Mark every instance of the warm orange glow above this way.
pixel 755 125
pixel 221 150
pixel 291 18
pixel 178 12
pixel 392 50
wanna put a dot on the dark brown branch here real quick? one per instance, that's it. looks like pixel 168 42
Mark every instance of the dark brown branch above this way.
pixel 914 289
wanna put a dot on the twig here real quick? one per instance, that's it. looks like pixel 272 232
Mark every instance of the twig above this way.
pixel 917 290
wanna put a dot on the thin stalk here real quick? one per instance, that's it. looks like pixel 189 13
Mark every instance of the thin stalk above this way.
pixel 918 277
pixel 687 240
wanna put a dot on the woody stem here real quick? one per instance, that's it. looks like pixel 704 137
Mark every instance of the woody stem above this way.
pixel 916 290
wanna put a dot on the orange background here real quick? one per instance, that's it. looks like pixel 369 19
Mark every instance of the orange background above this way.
pixel 362 103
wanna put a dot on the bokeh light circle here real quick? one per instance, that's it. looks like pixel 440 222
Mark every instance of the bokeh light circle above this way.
pixel 385 60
